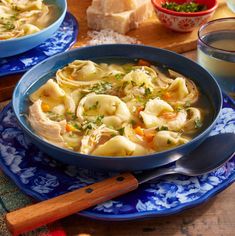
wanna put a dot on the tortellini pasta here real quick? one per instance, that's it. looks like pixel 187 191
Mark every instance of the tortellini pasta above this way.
pixel 23 17
pixel 165 139
pixel 119 146
pixel 113 109
pixel 116 109
pixel 157 112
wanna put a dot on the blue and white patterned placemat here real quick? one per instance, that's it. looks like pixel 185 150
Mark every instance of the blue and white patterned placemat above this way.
pixel 61 41
pixel 41 177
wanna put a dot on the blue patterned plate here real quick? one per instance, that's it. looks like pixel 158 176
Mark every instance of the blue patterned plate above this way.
pixel 41 177
pixel 61 41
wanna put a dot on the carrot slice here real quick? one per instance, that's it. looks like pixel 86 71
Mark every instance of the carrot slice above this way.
pixel 142 62
pixel 169 115
pixel 139 131
pixel 139 109
pixel 167 95
pixel 69 128
pixel 149 137
pixel 45 107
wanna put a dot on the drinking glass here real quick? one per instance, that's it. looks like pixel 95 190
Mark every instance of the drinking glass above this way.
pixel 216 51
pixel 231 4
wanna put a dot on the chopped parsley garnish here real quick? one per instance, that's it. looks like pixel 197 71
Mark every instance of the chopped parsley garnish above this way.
pixel 133 83
pixel 87 125
pixel 102 87
pixel 71 115
pixel 76 126
pixel 187 104
pixel 185 7
pixel 91 124
pixel 141 99
pixel 118 76
pixel 128 68
pixel 94 106
pixel 147 91
pixel 169 141
pixel 9 25
pixel 54 116
pixel 99 119
pixel 198 123
pixel 125 84
pixel 133 122
pixel 121 131
pixel 178 108
pixel 142 85
pixel 161 128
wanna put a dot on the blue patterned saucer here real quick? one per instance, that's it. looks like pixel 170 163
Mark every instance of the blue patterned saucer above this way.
pixel 61 41
pixel 41 177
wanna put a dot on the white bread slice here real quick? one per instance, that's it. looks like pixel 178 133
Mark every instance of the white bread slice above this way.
pixel 120 22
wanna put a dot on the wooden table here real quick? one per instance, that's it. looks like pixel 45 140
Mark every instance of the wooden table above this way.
pixel 216 217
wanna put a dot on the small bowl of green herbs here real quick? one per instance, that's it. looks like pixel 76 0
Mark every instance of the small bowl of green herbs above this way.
pixel 184 15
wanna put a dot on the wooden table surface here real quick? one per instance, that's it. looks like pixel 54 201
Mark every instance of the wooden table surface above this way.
pixel 215 217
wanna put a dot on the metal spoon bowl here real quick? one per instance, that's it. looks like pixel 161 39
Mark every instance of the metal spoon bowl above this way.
pixel 210 155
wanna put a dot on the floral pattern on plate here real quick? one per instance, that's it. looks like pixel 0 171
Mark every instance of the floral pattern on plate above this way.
pixel 61 41
pixel 42 177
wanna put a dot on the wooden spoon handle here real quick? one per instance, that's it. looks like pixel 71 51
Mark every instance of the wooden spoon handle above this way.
pixel 45 212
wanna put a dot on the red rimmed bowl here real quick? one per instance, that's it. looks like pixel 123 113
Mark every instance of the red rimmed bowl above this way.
pixel 184 21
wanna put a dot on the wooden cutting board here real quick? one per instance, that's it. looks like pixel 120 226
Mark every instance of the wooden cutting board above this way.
pixel 151 32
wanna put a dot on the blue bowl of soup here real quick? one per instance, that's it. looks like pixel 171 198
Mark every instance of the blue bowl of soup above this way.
pixel 210 102
pixel 16 38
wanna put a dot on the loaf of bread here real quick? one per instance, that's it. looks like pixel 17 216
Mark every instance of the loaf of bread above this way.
pixel 118 15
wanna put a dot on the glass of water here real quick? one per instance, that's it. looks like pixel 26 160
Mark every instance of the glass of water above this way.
pixel 231 4
pixel 216 51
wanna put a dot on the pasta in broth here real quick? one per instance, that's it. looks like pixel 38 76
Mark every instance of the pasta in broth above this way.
pixel 23 17
pixel 116 110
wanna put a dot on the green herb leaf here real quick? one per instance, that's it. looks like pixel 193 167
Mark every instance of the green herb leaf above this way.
pixel 128 68
pixel 161 128
pixel 198 123
pixel 94 106
pixel 133 83
pixel 187 104
pixel 9 25
pixel 121 131
pixel 99 119
pixel 169 141
pixel 185 7
pixel 147 91
pixel 118 76
pixel 76 126
pixel 102 87
pixel 133 122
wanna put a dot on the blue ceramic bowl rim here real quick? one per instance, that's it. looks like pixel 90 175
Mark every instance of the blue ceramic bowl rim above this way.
pixel 118 158
pixel 41 31
pixel 76 32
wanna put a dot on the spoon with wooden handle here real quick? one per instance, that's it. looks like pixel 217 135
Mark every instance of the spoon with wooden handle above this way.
pixel 210 155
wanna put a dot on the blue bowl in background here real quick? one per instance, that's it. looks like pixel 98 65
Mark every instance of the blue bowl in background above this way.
pixel 39 74
pixel 16 46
